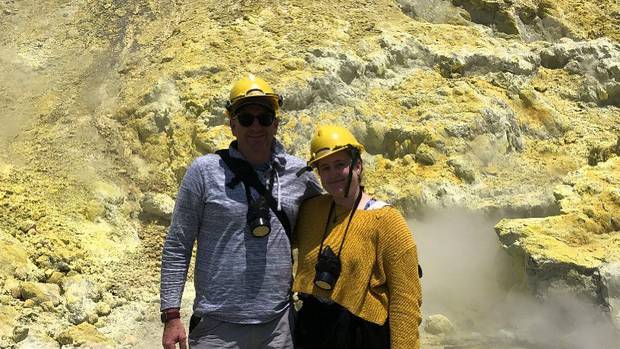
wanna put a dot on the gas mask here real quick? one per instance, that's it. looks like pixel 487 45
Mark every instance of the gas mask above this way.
pixel 327 269
pixel 258 217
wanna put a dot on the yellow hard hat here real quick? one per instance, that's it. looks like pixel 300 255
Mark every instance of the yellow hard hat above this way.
pixel 252 90
pixel 330 139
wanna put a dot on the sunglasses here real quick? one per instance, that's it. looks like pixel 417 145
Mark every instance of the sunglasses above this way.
pixel 265 119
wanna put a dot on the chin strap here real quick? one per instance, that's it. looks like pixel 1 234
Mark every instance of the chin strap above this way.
pixel 355 154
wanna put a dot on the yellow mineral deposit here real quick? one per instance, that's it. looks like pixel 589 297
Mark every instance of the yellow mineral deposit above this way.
pixel 492 124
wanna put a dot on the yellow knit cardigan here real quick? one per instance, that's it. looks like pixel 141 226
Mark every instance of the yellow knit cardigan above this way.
pixel 379 277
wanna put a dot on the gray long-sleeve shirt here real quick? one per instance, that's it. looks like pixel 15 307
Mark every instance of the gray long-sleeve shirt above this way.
pixel 238 278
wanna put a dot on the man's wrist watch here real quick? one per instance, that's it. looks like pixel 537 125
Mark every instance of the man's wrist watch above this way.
pixel 170 314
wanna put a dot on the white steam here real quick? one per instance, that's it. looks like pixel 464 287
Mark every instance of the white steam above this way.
pixel 469 278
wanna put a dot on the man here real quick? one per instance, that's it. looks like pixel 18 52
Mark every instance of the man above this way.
pixel 243 265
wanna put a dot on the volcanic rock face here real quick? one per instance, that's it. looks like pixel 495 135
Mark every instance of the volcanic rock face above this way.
pixel 578 248
pixel 505 108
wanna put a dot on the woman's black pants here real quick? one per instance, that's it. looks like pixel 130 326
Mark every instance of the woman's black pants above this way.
pixel 321 325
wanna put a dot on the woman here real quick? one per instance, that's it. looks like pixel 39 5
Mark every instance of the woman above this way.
pixel 357 272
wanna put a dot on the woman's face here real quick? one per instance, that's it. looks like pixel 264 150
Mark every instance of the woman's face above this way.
pixel 334 173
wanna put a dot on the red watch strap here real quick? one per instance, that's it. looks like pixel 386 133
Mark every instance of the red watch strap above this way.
pixel 170 314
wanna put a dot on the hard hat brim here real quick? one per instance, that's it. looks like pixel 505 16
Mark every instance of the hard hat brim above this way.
pixel 269 102
pixel 312 162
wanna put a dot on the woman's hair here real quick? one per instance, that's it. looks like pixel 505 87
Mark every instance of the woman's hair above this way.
pixel 361 169
pixel 356 152
pixel 351 153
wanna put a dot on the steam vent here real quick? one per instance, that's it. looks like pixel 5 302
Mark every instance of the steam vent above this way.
pixel 494 125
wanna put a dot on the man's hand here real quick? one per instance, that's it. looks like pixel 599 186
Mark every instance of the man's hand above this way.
pixel 174 333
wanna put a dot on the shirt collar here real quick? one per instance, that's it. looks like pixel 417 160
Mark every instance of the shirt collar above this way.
pixel 277 160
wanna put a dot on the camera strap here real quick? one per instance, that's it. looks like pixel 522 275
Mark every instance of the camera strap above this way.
pixel 245 173
pixel 329 215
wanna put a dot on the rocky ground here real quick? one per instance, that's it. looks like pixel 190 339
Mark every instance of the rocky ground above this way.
pixel 505 109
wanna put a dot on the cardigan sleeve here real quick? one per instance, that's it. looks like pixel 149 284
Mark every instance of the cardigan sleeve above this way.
pixel 403 282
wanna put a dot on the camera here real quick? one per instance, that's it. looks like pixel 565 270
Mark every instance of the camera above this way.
pixel 327 269
pixel 258 217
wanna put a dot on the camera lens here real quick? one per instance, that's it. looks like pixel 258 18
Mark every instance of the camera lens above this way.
pixel 260 227
pixel 325 280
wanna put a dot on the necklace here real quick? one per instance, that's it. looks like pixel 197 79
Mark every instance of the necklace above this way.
pixel 331 210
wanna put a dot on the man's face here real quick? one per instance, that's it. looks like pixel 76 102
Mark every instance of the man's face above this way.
pixel 253 137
